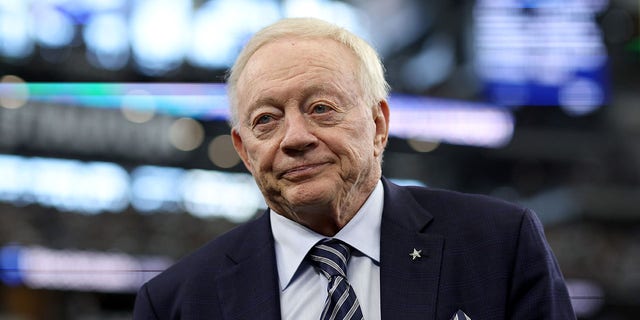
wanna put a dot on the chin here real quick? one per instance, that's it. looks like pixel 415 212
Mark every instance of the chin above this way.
pixel 309 194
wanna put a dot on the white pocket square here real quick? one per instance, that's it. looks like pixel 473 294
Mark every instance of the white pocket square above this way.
pixel 460 315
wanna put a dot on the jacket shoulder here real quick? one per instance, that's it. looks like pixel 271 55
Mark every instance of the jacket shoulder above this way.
pixel 460 216
pixel 166 291
pixel 441 202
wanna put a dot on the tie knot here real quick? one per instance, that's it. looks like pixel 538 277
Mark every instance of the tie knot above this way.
pixel 331 257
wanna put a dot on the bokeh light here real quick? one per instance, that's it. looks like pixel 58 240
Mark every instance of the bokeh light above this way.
pixel 222 153
pixel 138 106
pixel 186 134
pixel 14 92
pixel 107 41
pixel 422 145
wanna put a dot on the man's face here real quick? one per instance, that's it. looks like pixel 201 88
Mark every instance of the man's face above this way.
pixel 304 130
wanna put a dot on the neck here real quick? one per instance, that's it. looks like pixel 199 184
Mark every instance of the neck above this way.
pixel 329 218
pixel 327 224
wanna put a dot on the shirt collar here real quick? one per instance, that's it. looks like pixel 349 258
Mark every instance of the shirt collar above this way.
pixel 293 240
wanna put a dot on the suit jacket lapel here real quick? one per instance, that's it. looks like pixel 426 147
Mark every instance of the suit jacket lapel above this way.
pixel 408 286
pixel 249 289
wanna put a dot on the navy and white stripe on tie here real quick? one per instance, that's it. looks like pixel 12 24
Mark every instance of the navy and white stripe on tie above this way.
pixel 331 258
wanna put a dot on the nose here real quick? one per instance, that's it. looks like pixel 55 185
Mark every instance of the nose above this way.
pixel 298 136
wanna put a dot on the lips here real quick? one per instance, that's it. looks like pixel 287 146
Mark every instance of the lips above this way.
pixel 303 171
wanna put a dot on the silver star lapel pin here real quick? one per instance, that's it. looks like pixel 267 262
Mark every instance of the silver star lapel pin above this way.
pixel 460 315
pixel 415 254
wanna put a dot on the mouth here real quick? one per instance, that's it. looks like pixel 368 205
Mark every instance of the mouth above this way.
pixel 303 172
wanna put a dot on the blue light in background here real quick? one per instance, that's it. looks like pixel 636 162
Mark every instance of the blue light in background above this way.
pixel 156 189
pixel 15 38
pixel 221 28
pixel 107 41
pixel 159 34
pixel 43 268
pixel 10 265
pixel 95 187
pixel 543 53
pixel 52 28
pixel 67 185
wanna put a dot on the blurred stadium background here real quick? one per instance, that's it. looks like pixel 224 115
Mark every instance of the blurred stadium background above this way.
pixel 115 158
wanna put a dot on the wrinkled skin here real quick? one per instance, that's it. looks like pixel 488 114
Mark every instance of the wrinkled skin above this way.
pixel 305 133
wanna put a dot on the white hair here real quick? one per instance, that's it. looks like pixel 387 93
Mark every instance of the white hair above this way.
pixel 371 73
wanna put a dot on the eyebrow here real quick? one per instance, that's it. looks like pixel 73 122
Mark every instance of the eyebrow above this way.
pixel 303 95
pixel 265 101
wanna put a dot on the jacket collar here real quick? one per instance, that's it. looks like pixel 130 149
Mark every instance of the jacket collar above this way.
pixel 408 283
pixel 249 288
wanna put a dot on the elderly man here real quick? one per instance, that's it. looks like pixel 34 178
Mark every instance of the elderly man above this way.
pixel 339 241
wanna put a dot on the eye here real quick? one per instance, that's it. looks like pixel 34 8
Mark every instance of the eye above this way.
pixel 321 108
pixel 264 119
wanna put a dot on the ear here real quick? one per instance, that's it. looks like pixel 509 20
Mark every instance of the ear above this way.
pixel 381 120
pixel 238 144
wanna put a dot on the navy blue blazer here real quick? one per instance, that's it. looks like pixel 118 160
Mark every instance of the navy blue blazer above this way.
pixel 483 256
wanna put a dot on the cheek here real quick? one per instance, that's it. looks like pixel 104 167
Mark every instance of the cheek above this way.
pixel 261 157
pixel 255 158
pixel 363 135
pixel 262 169
pixel 358 144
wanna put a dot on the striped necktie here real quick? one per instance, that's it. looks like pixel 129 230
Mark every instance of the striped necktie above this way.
pixel 330 258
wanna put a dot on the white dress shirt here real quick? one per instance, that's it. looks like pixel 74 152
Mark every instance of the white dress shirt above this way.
pixel 303 290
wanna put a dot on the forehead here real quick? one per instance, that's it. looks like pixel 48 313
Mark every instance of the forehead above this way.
pixel 287 51
pixel 298 61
